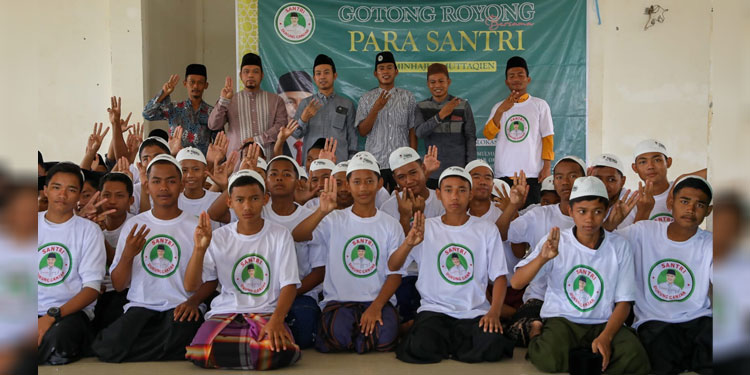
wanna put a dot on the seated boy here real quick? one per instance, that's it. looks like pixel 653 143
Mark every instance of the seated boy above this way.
pixel 71 269
pixel 151 256
pixel 457 255
pixel 673 269
pixel 150 148
pixel 548 195
pixel 590 285
pixel 610 170
pixel 255 262
pixel 358 313
pixel 194 198
pixel 343 195
pixel 320 170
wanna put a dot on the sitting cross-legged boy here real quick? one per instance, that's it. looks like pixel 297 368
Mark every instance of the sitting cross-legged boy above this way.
pixel 255 263
pixel 358 311
pixel 457 254
pixel 590 285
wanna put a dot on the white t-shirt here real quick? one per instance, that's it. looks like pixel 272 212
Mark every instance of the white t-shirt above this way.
pixel 344 236
pixel 519 142
pixel 156 282
pixel 676 298
pixel 511 260
pixel 730 338
pixel 194 207
pixel 528 208
pixel 79 261
pixel 312 204
pixel 17 289
pixel 381 197
pixel 251 269
pixel 111 237
pixel 432 206
pixel 532 227
pixel 308 257
pixel 455 265
pixel 608 278
pixel 660 212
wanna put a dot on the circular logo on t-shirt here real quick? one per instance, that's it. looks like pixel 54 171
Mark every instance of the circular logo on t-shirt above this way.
pixel 54 264
pixel 670 280
pixel 516 128
pixel 456 264
pixel 664 217
pixel 252 275
pixel 583 287
pixel 160 255
pixel 294 23
pixel 361 255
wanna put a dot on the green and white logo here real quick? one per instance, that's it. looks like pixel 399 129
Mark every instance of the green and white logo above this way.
pixel 252 275
pixel 361 255
pixel 584 287
pixel 456 264
pixel 516 128
pixel 664 217
pixel 294 23
pixel 160 256
pixel 54 264
pixel 670 280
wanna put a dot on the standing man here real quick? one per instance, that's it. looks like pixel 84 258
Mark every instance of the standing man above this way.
pixel 252 114
pixel 191 114
pixel 446 122
pixel 386 116
pixel 526 140
pixel 326 114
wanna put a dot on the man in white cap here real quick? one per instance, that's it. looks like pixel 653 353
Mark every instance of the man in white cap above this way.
pixel 675 322
pixel 606 260
pixel 194 198
pixel 609 169
pixel 150 148
pixel 343 195
pixel 162 317
pixel 453 292
pixel 320 171
pixel 359 298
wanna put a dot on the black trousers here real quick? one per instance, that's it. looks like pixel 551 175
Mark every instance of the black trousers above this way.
pixel 109 308
pixel 145 335
pixel 389 183
pixel 535 190
pixel 436 336
pixel 66 341
pixel 677 347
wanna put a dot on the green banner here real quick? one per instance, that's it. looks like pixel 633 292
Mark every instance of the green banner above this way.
pixel 474 39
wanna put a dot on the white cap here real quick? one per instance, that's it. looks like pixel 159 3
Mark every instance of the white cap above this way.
pixel 699 178
pixel 649 145
pixel 588 186
pixel 246 173
pixel 291 160
pixel 500 184
pixel 164 157
pixel 303 173
pixel 191 153
pixel 608 160
pixel 340 167
pixel 548 184
pixel 367 154
pixel 455 171
pixel 363 161
pixel 477 163
pixel 262 164
pixel 319 164
pixel 574 159
pixel 402 156
pixel 152 138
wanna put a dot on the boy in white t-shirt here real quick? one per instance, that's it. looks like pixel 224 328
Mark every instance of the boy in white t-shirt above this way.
pixel 457 255
pixel 71 262
pixel 320 170
pixel 524 131
pixel 548 195
pixel 610 170
pixel 343 195
pixel 673 268
pixel 151 256
pixel 150 148
pixel 255 262
pixel 590 285
pixel 358 314
pixel 194 198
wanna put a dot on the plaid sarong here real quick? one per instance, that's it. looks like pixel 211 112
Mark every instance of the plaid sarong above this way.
pixel 230 341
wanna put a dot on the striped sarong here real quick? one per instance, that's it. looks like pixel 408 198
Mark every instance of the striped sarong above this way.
pixel 230 341
pixel 339 330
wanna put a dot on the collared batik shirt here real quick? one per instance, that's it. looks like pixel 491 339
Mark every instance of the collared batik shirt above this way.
pixel 391 128
pixel 195 131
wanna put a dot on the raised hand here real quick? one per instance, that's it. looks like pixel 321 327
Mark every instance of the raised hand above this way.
pixel 549 249
pixel 430 163
pixel 135 241
pixel 305 191
pixel 381 101
pixel 646 201
pixel 175 140
pixel 448 108
pixel 329 150
pixel 419 204
pixel 114 110
pixel 203 232
pixel 123 166
pixel 621 209
pixel 250 161
pixel 328 196
pixel 311 110
pixel 405 202
pixel 96 138
pixel 503 200
pixel 519 190
pixel 416 233
pixel 217 150
pixel 506 105
pixel 169 86
pixel 221 171
pixel 227 91
pixel 286 131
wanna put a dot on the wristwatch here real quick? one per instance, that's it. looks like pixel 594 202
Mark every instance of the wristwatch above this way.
pixel 55 313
